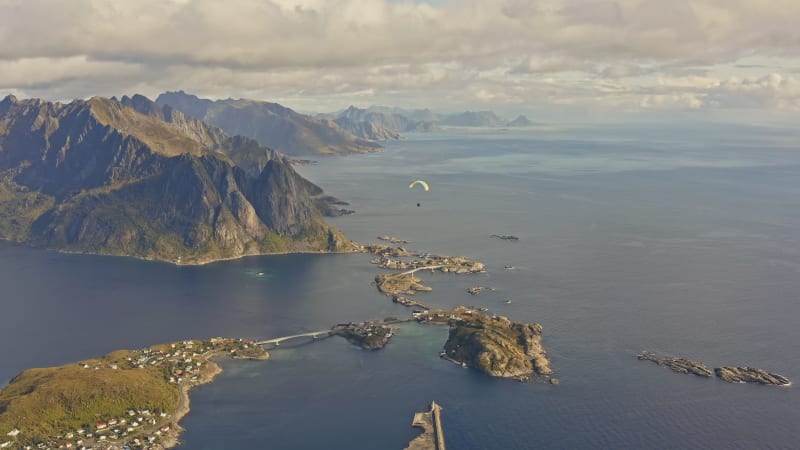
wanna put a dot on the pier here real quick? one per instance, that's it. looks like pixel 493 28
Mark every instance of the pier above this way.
pixel 432 437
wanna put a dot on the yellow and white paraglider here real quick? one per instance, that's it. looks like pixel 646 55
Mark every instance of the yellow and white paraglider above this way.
pixel 420 183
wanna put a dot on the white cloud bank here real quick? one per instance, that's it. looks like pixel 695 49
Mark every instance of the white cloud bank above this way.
pixel 324 54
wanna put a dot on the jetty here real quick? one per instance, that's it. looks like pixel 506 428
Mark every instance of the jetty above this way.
pixel 432 437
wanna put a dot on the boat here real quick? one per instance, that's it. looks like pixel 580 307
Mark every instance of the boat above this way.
pixel 507 301
pixel 508 266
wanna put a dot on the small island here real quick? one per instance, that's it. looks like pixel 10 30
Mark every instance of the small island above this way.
pixel 505 237
pixel 397 285
pixel 369 335
pixel 728 373
pixel 750 375
pixel 393 240
pixel 680 365
pixel 496 346
pixel 475 290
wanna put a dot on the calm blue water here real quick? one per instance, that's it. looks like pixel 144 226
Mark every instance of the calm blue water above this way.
pixel 680 240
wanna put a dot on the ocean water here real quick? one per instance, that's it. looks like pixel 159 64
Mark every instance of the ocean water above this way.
pixel 684 240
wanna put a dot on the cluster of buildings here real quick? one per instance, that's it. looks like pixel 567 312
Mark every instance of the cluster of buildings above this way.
pixel 140 428
pixel 369 335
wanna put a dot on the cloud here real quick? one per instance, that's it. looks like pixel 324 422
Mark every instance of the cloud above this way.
pixel 455 52
pixel 550 64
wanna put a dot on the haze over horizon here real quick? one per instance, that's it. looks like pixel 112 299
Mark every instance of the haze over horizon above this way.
pixel 593 57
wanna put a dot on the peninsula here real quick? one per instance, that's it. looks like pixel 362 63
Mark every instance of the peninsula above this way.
pixel 132 398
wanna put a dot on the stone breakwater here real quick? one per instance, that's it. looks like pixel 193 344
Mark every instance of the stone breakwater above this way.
pixel 432 437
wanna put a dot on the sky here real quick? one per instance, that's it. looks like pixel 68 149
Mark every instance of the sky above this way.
pixel 702 57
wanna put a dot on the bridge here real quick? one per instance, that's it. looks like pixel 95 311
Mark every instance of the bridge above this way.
pixel 411 272
pixel 313 335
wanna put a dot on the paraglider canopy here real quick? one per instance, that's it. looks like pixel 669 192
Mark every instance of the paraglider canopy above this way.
pixel 421 183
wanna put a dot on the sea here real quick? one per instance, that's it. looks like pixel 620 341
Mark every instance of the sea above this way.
pixel 681 239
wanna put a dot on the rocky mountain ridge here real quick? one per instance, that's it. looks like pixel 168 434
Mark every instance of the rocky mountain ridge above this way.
pixel 128 177
pixel 271 124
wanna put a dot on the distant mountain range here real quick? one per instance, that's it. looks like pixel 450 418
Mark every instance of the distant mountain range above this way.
pixel 391 122
pixel 353 130
pixel 131 177
pixel 396 121
pixel 275 126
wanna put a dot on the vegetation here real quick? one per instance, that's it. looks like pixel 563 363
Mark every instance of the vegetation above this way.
pixel 86 399
pixel 45 402
pixel 496 346
pixel 20 207
pixel 130 178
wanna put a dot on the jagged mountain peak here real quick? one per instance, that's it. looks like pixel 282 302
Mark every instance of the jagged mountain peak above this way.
pixel 128 177
pixel 10 98
pixel 125 116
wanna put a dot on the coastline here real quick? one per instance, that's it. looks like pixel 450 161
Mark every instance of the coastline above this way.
pixel 193 263
pixel 173 438
pixel 187 364
pixel 213 370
